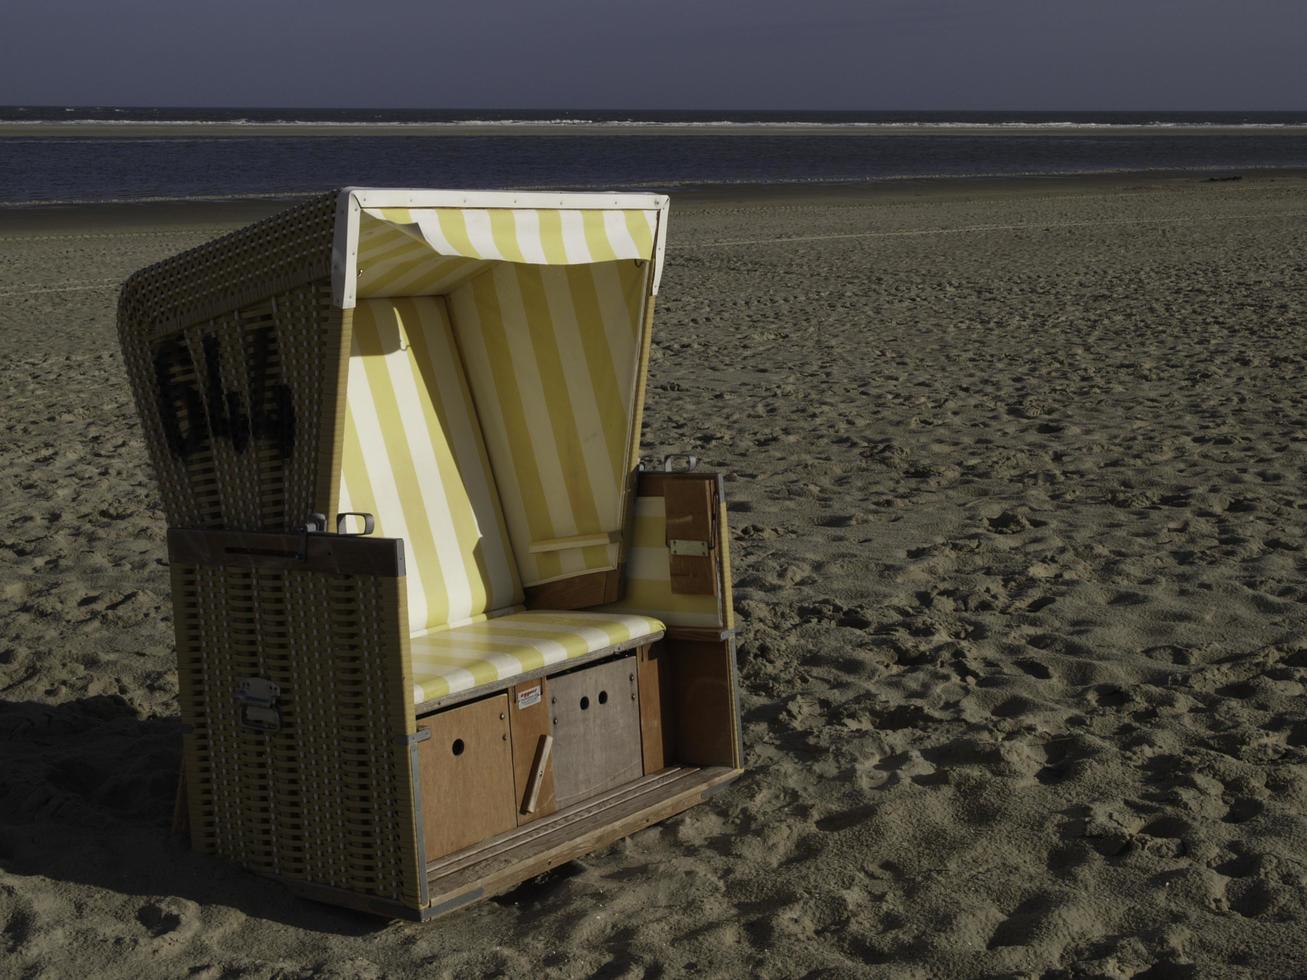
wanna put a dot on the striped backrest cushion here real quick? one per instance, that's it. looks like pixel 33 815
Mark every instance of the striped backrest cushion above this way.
pixel 413 457
pixel 552 354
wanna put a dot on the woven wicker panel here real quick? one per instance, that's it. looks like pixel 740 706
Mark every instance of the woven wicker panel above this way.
pixel 235 354
pixel 328 798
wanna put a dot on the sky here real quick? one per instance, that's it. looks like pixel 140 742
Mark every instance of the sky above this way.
pixel 677 54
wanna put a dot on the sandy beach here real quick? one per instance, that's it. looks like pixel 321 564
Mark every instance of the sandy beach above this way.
pixel 1016 475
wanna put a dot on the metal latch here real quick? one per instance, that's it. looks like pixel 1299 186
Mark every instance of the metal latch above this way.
pixel 257 699
pixel 687 548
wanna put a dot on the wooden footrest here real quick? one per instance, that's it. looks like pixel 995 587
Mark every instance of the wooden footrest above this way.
pixel 496 865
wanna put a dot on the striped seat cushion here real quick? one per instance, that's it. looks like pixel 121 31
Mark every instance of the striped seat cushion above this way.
pixel 413 456
pixel 455 660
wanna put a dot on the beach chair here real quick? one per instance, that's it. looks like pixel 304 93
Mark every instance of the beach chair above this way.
pixel 436 631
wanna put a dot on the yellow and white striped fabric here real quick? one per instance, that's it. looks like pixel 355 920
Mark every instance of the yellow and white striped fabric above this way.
pixel 428 252
pixel 413 456
pixel 648 576
pixel 552 356
pixel 451 661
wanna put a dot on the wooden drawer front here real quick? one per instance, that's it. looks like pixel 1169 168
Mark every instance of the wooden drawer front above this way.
pixel 596 730
pixel 467 776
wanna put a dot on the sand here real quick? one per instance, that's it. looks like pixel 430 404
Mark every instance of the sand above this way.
pixel 1017 486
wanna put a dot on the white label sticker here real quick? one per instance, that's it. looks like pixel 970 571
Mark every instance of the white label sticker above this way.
pixel 528 697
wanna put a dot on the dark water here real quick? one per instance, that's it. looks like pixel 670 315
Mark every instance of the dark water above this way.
pixel 45 166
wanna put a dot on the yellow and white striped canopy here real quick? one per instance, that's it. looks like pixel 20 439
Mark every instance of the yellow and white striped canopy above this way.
pixel 405 243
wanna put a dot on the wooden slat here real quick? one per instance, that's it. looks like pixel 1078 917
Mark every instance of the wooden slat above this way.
pixel 570 836
pixel 578 592
pixel 654 682
pixel 604 801
pixel 691 512
pixel 530 724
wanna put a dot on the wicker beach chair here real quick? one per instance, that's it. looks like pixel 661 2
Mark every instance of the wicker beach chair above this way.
pixel 506 646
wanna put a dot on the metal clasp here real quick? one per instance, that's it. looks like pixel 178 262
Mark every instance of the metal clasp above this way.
pixel 257 699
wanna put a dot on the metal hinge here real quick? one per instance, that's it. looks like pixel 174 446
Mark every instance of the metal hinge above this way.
pixel 687 548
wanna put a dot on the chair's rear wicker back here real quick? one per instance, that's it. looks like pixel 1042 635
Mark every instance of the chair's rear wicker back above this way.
pixel 235 355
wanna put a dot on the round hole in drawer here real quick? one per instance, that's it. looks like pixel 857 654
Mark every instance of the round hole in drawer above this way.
pixel 603 697
pixel 585 703
pixel 457 747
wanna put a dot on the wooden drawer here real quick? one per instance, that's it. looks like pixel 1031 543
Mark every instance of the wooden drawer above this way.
pixel 467 776
pixel 596 715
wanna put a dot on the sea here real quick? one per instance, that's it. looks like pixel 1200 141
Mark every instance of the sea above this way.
pixel 47 154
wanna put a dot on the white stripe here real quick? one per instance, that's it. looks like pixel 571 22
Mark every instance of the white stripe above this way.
pixel 526 225
pixel 481 235
pixel 619 235
pixel 434 233
pixel 620 327
pixel 596 639
pixel 575 246
pixel 482 496
pixel 535 403
pixel 426 463
pixel 447 645
pixel 476 358
pixel 456 679
pixel 390 513
pixel 436 648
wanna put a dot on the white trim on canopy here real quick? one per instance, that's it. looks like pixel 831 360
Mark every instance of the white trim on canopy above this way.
pixel 526 228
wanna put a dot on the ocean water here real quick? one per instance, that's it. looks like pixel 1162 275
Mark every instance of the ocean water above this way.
pixel 46 161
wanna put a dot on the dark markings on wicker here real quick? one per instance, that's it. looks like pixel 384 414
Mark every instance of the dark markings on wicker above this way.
pixel 186 415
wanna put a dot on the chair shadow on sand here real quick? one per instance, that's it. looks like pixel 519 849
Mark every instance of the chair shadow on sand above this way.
pixel 87 790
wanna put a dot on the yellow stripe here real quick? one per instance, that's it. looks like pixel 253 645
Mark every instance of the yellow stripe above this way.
pixel 596 237
pixel 571 456
pixel 421 540
pixel 611 399
pixel 453 225
pixel 503 228
pixel 498 362
pixel 551 237
pixel 436 419
pixel 639 226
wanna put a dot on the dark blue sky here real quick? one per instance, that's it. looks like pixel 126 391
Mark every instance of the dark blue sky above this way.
pixel 780 54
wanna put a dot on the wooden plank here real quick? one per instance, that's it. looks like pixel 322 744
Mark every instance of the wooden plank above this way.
pixel 530 721
pixel 539 766
pixel 706 724
pixel 578 592
pixel 655 728
pixel 596 722
pixel 691 517
pixel 466 768
pixel 602 539
pixel 505 842
pixel 573 838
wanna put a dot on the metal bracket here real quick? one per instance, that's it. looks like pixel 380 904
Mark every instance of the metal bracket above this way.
pixel 686 548
pixel 669 462
pixel 257 699
pixel 369 523
pixel 421 735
